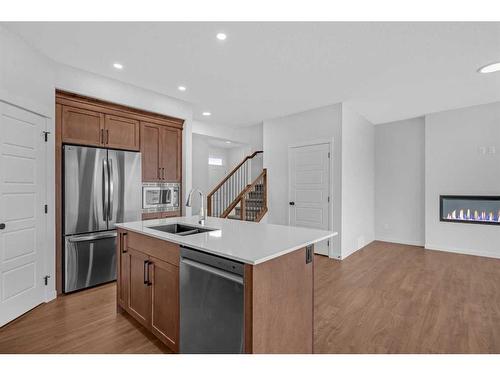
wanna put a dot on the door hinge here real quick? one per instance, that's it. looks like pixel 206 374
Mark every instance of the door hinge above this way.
pixel 309 253
pixel 46 279
pixel 328 155
pixel 328 243
pixel 46 136
pixel 46 209
pixel 328 199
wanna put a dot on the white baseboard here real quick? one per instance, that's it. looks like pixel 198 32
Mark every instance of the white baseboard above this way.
pixel 462 251
pixel 400 241
pixel 344 256
pixel 50 295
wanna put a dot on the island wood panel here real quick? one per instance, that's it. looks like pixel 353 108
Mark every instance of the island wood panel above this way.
pixel 122 133
pixel 165 302
pixel 160 249
pixel 279 305
pixel 139 296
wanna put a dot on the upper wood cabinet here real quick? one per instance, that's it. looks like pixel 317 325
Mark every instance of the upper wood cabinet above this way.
pixel 150 150
pixel 82 126
pixel 161 148
pixel 171 154
pixel 121 133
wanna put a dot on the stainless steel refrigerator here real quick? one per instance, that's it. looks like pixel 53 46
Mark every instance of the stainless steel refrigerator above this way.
pixel 101 188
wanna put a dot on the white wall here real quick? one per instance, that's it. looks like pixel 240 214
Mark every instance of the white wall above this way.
pixel 278 134
pixel 26 76
pixel 251 135
pixel 400 181
pixel 358 181
pixel 27 81
pixel 454 164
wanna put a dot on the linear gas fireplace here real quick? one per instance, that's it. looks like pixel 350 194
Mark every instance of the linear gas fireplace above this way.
pixel 473 209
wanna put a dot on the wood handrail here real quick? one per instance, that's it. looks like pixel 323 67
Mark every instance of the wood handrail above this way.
pixel 232 172
pixel 236 200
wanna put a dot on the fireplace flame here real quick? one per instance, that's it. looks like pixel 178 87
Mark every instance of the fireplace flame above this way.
pixel 465 215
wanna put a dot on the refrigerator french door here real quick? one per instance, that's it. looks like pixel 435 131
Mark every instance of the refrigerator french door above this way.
pixel 101 188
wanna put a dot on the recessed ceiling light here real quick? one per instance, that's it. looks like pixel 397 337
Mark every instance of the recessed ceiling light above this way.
pixel 182 88
pixel 118 66
pixel 206 113
pixel 228 142
pixel 490 68
pixel 221 36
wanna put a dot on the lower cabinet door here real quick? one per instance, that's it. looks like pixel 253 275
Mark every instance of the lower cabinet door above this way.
pixel 139 294
pixel 165 302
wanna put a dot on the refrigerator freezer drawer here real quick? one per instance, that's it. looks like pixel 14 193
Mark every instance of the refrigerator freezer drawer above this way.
pixel 89 260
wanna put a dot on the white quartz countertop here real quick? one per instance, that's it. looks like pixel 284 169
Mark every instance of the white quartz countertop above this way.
pixel 244 241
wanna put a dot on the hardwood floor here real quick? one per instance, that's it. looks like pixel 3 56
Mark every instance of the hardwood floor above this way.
pixel 84 322
pixel 390 298
pixel 386 298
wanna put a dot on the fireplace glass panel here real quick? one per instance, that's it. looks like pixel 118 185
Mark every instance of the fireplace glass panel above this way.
pixel 470 209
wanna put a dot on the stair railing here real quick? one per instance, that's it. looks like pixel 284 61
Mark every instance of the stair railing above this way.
pixel 223 196
pixel 249 210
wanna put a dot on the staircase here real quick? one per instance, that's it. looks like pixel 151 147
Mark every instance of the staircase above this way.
pixel 237 197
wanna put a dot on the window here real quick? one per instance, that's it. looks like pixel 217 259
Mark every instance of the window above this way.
pixel 214 161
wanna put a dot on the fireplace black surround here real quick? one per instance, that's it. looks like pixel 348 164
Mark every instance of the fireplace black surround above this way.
pixel 470 209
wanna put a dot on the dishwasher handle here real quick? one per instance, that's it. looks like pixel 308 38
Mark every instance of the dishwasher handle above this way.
pixel 213 270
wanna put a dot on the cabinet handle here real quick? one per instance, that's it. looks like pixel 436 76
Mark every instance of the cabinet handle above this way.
pixel 149 279
pixel 146 262
pixel 159 173
pixel 107 136
pixel 124 248
pixel 163 173
pixel 102 136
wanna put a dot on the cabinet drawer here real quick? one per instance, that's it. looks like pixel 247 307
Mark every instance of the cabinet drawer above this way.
pixel 163 250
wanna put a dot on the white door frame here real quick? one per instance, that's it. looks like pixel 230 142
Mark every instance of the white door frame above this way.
pixel 330 142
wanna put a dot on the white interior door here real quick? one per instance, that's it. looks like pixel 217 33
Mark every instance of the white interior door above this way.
pixel 309 189
pixel 22 216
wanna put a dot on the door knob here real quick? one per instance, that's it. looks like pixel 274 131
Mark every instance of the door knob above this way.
pixel 2 225
pixel 291 203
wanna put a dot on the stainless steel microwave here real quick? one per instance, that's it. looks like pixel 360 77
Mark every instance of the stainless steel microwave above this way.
pixel 160 195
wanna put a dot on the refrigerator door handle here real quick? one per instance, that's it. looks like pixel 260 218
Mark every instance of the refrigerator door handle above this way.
pixel 92 237
pixel 105 189
pixel 111 189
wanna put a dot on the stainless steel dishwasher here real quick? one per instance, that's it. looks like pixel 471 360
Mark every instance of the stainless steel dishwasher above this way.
pixel 211 303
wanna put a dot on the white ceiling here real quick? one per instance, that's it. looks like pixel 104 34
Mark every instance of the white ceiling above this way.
pixel 220 142
pixel 385 71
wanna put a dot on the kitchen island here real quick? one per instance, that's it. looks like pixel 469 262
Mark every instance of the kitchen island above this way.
pixel 265 278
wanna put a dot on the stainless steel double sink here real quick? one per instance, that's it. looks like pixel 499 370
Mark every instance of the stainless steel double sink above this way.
pixel 180 229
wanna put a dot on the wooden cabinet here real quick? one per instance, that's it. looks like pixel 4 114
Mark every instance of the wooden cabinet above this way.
pixel 82 126
pixel 165 301
pixel 160 215
pixel 139 295
pixel 148 284
pixel 171 154
pixel 123 268
pixel 161 148
pixel 150 150
pixel 121 133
